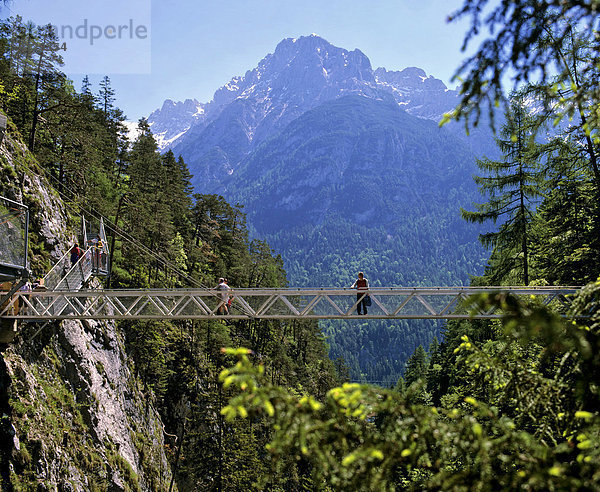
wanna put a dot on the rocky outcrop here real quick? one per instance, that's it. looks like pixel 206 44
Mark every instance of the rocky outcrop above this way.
pixel 81 421
pixel 174 118
pixel 74 417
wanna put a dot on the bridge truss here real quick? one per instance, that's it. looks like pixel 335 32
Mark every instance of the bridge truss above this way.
pixel 290 303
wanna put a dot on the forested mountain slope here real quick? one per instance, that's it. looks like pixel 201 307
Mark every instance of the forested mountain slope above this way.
pixel 359 185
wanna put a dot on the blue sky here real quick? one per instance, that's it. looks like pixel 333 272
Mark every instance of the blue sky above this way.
pixel 188 49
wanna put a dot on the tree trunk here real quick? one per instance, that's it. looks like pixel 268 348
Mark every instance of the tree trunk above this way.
pixel 36 111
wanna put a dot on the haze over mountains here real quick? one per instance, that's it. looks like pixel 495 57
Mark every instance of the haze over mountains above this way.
pixel 341 168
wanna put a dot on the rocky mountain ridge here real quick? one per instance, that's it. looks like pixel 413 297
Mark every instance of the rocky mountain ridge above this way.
pixel 173 119
pixel 298 76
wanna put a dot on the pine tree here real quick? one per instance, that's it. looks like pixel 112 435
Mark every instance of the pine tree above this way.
pixel 45 75
pixel 106 96
pixel 514 46
pixel 85 86
pixel 416 366
pixel 178 189
pixel 512 185
pixel 565 95
pixel 567 234
pixel 146 212
pixel 31 78
pixel 86 92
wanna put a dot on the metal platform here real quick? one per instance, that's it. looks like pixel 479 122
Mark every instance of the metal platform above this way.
pixel 14 220
pixel 291 303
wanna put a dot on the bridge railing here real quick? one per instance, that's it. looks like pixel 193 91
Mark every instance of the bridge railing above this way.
pixel 67 276
pixel 386 303
pixel 58 271
pixel 78 274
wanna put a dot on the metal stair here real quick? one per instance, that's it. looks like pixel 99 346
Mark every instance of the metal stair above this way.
pixel 65 277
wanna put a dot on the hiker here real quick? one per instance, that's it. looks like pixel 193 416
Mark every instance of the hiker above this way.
pixel 101 253
pixel 223 289
pixel 97 253
pixel 75 254
pixel 26 287
pixel 362 286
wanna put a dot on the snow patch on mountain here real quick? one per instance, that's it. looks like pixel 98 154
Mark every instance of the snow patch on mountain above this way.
pixel 132 130
pixel 174 119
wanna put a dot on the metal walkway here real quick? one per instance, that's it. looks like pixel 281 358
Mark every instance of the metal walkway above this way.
pixel 290 303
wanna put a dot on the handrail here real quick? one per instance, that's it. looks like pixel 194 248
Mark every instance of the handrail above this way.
pixel 83 266
pixel 54 271
pixel 264 303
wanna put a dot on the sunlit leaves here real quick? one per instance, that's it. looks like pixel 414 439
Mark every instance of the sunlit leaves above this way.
pixel 515 434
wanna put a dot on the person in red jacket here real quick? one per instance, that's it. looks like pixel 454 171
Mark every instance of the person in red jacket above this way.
pixel 75 254
pixel 362 286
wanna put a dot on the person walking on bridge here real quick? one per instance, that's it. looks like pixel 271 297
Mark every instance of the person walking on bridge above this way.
pixel 223 289
pixel 362 286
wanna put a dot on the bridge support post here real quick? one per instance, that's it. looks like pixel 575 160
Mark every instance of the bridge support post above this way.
pixel 8 327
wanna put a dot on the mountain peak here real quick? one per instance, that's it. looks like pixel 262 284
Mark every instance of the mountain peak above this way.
pixel 299 75
pixel 314 44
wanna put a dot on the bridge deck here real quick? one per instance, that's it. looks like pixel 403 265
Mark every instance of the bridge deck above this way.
pixel 290 303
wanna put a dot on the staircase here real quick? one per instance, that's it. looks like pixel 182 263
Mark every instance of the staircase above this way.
pixel 63 276
pixel 66 277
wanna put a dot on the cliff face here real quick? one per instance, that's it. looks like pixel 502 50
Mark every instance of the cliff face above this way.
pixel 20 181
pixel 79 420
pixel 74 416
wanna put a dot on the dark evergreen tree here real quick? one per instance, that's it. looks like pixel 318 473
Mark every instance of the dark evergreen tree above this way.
pixel 567 234
pixel 178 189
pixel 106 96
pixel 512 185
pixel 416 366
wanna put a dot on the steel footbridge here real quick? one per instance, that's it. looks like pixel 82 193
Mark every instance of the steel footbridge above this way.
pixel 284 304
pixel 64 294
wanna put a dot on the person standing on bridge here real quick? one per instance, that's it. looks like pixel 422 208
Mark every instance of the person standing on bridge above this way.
pixel 362 286
pixel 76 253
pixel 223 289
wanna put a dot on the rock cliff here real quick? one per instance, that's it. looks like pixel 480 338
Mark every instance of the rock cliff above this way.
pixel 74 416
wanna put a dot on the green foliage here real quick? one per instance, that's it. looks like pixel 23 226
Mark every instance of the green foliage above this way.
pixel 416 366
pixel 528 41
pixel 566 229
pixel 531 425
